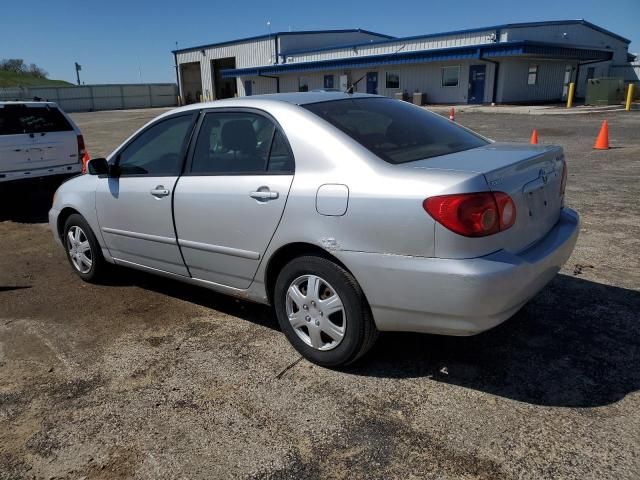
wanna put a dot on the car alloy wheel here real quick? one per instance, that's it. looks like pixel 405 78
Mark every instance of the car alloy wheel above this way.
pixel 79 249
pixel 316 312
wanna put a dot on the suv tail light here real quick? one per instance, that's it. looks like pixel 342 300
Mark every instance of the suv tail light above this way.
pixel 473 214
pixel 563 183
pixel 83 155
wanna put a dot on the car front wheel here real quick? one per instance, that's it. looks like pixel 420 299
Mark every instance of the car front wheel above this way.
pixel 323 312
pixel 83 250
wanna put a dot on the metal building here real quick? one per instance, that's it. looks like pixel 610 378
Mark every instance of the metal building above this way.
pixel 512 63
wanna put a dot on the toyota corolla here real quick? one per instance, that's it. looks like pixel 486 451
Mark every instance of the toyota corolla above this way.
pixel 349 214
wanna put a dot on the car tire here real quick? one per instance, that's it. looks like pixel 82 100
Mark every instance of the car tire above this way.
pixel 83 250
pixel 323 312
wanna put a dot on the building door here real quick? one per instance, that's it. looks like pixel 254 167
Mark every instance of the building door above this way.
pixel 248 88
pixel 372 83
pixel 223 87
pixel 191 82
pixel 476 83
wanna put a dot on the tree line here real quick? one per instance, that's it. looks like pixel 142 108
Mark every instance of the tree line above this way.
pixel 17 65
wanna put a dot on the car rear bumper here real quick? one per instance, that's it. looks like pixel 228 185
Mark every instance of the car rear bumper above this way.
pixel 459 297
pixel 32 173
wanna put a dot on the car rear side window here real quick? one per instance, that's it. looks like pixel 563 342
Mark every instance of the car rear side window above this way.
pixel 21 119
pixel 394 130
pixel 231 143
pixel 159 150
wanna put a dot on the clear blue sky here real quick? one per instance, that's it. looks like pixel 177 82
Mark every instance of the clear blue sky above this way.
pixel 128 41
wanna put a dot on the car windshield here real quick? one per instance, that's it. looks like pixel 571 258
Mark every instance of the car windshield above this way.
pixel 394 130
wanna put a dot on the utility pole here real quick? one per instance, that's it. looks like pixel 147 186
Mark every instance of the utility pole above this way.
pixel 78 68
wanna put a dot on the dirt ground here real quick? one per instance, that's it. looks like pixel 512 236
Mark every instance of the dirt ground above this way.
pixel 148 378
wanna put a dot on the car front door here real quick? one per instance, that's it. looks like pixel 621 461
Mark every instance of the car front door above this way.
pixel 134 202
pixel 230 200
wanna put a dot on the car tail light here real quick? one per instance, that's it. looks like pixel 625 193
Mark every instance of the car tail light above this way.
pixel 83 154
pixel 473 214
pixel 563 183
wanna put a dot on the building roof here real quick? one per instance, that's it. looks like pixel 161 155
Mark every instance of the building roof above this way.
pixel 280 34
pixel 460 32
pixel 522 48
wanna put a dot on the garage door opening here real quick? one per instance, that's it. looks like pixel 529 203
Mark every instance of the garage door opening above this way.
pixel 224 87
pixel 191 82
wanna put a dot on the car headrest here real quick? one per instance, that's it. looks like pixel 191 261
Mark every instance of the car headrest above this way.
pixel 239 135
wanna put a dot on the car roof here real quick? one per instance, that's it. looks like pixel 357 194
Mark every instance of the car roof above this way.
pixel 295 98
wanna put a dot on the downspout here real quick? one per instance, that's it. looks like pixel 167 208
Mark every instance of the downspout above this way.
pixel 496 72
pixel 275 48
pixel 277 79
pixel 175 63
pixel 578 70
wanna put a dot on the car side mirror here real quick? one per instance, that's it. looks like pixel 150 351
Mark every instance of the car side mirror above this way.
pixel 98 166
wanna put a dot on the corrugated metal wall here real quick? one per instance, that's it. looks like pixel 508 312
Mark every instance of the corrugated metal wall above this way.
pixel 424 43
pixel 247 54
pixel 630 72
pixel 303 41
pixel 100 97
pixel 426 78
pixel 513 87
pixel 576 34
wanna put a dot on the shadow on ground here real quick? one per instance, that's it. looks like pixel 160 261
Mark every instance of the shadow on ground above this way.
pixel 253 312
pixel 28 201
pixel 577 344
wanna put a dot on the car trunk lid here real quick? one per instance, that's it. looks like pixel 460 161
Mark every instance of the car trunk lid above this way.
pixel 530 175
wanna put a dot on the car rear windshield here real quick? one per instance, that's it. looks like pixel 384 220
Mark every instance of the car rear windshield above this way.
pixel 394 130
pixel 20 119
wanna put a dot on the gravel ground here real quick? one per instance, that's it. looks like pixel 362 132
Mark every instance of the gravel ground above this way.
pixel 148 378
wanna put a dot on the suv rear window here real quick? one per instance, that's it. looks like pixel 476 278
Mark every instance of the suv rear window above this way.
pixel 18 119
pixel 394 130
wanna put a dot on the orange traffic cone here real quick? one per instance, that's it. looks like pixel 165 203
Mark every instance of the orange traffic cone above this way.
pixel 534 137
pixel 452 114
pixel 602 142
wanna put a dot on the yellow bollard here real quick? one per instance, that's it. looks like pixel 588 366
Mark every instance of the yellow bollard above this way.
pixel 572 90
pixel 627 105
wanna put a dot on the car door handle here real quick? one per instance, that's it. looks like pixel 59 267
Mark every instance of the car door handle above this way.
pixel 160 191
pixel 264 195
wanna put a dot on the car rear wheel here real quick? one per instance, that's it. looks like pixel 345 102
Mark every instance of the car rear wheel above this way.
pixel 83 250
pixel 323 312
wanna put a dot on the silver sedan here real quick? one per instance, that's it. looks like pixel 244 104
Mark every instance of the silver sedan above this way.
pixel 349 214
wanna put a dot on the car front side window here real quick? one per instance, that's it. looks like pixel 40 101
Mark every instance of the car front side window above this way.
pixel 159 150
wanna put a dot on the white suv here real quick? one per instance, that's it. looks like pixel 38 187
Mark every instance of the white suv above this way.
pixel 37 139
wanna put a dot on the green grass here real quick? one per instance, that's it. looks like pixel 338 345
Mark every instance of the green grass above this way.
pixel 10 79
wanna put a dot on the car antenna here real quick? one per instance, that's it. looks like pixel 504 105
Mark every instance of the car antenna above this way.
pixel 353 85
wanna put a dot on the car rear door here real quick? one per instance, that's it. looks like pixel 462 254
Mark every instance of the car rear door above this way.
pixel 134 203
pixel 14 142
pixel 229 202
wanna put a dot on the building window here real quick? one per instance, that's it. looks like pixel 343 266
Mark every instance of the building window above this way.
pixel 393 80
pixel 591 71
pixel 328 81
pixel 532 77
pixel 451 76
pixel 303 84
